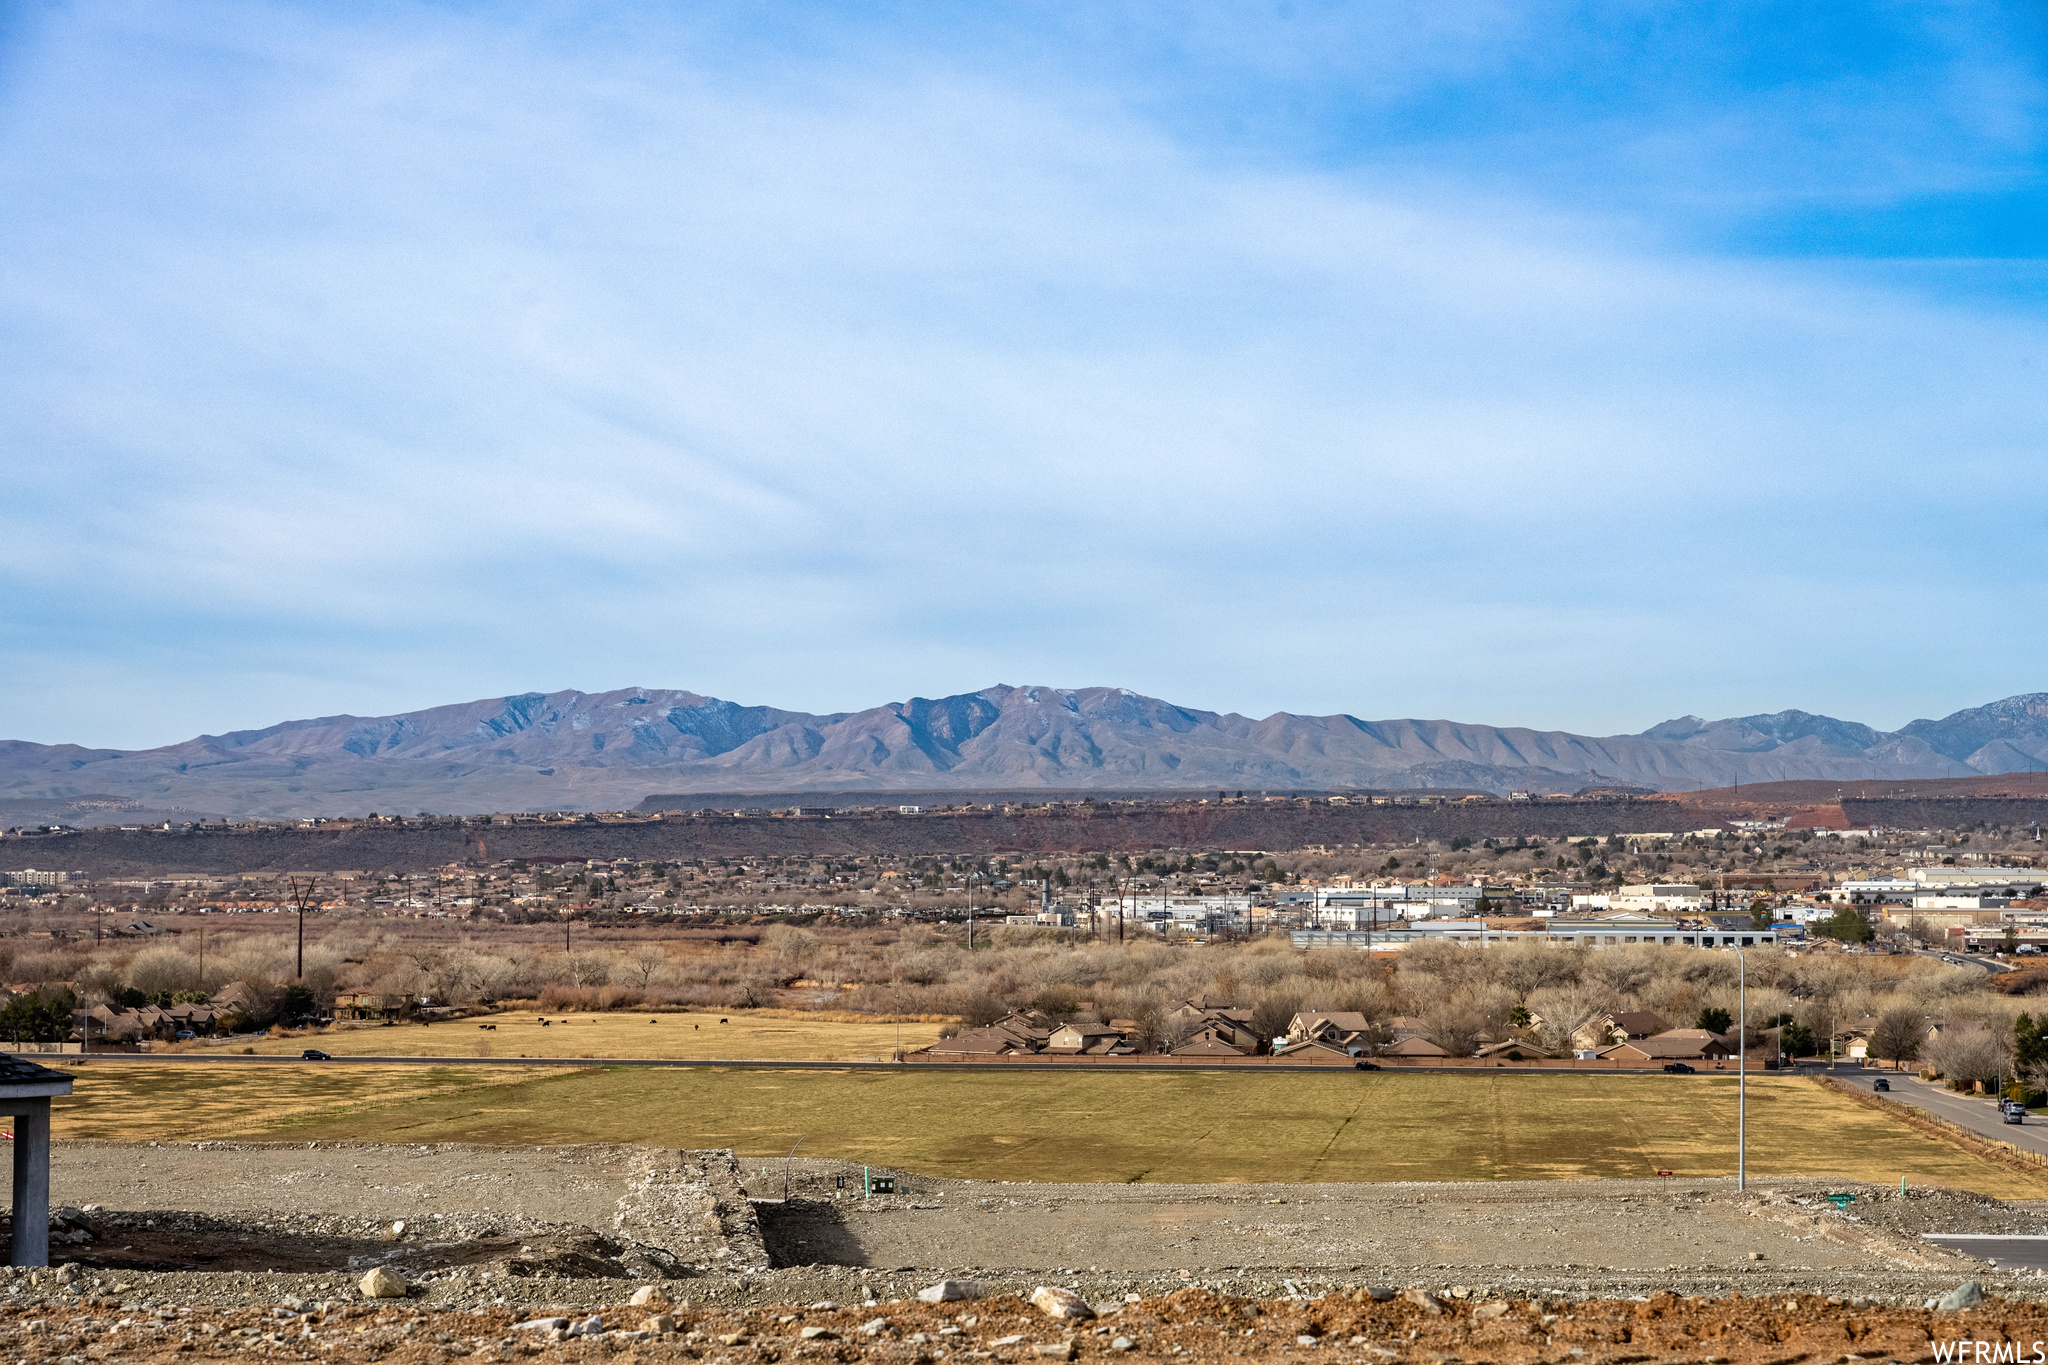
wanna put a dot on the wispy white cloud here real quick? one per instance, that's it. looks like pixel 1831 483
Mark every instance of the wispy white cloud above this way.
pixel 354 364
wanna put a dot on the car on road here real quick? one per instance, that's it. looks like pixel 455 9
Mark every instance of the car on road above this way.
pixel 2014 1111
pixel 1368 1066
pixel 1880 1084
pixel 314 1054
pixel 1678 1069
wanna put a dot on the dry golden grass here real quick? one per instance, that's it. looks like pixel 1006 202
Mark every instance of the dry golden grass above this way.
pixel 1072 1126
pixel 775 1036
pixel 185 1102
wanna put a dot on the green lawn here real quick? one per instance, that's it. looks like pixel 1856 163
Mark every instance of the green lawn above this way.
pixel 1194 1126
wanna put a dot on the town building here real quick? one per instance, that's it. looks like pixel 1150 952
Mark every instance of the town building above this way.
pixel 1624 928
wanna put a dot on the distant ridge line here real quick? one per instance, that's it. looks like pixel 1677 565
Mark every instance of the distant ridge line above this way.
pixel 570 750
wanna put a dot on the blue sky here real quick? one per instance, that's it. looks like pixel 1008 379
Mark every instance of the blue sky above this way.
pixel 1573 366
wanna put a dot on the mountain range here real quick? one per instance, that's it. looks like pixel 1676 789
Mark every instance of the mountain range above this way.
pixel 609 750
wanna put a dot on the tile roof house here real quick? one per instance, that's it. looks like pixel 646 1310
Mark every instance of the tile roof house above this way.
pixel 1628 1024
pixel 1070 1041
pixel 1673 1045
pixel 1314 1050
pixel 1208 1042
pixel 1231 1022
pixel 1013 1034
pixel 1347 1029
pixel 1413 1046
pixel 368 1005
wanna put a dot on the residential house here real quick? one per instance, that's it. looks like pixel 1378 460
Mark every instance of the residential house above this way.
pixel 1312 1050
pixel 1071 1041
pixel 1673 1045
pixel 1026 1031
pixel 369 1005
pixel 1347 1029
pixel 1209 1042
pixel 1415 1046
pixel 1626 1025
pixel 1231 1023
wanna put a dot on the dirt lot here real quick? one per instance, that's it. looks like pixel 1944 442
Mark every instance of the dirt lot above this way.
pixel 254 1250
pixel 1699 1236
pixel 489 1226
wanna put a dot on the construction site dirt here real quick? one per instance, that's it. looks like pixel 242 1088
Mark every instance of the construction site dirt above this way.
pixel 262 1247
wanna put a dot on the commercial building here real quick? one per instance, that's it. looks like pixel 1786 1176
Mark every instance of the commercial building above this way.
pixel 1625 928
pixel 1361 907
pixel 29 876
pixel 1398 934
pixel 1677 898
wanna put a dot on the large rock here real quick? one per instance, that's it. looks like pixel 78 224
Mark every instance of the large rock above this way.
pixel 1968 1294
pixel 382 1283
pixel 1063 1304
pixel 950 1291
pixel 1423 1299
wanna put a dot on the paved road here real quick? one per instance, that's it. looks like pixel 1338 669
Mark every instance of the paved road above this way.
pixel 2007 1253
pixel 61 1060
pixel 1964 960
pixel 1977 1114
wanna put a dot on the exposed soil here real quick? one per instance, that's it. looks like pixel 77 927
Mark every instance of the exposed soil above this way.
pixel 1188 1325
pixel 1589 1237
pixel 260 1255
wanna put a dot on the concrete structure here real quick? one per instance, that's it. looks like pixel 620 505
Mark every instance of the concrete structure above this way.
pixel 1398 934
pixel 28 876
pixel 1657 898
pixel 1601 930
pixel 1876 891
pixel 1359 907
pixel 2020 881
pixel 25 1091
pixel 1626 928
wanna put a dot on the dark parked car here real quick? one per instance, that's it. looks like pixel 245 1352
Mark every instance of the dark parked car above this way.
pixel 1678 1069
pixel 1880 1084
pixel 314 1054
pixel 1367 1066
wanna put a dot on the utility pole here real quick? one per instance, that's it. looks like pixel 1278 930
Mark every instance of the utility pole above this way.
pixel 970 917
pixel 302 897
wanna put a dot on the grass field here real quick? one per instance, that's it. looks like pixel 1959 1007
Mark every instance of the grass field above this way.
pixel 745 1037
pixel 1194 1127
pixel 126 1103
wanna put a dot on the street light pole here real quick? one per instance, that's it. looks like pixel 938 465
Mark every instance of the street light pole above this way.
pixel 1742 1073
